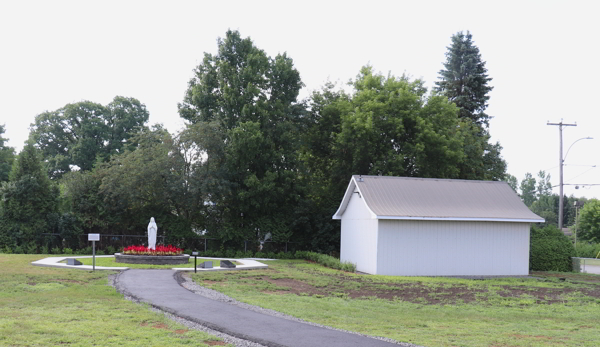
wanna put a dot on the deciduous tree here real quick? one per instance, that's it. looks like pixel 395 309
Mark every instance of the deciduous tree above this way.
pixel 252 98
pixel 589 222
pixel 82 133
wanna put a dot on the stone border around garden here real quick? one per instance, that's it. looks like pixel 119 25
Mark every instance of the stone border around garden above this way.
pixel 247 264
pixel 152 259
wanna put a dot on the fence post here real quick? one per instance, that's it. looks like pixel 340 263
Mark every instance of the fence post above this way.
pixel 205 245
pixel 286 247
pixel 245 246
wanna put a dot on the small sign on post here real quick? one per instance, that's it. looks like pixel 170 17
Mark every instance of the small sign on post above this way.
pixel 93 238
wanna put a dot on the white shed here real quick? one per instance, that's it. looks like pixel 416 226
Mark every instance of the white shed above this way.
pixel 434 227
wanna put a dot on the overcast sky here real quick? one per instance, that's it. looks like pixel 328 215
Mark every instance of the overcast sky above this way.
pixel 543 57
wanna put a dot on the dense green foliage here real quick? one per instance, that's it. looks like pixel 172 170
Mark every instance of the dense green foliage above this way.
pixel 589 223
pixel 464 81
pixel 7 155
pixel 248 100
pixel 587 250
pixel 29 202
pixel 254 163
pixel 80 134
pixel 550 250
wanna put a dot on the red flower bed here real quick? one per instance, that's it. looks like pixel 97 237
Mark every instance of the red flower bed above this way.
pixel 160 250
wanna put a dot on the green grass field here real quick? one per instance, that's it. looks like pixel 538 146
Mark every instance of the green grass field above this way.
pixel 110 262
pixel 427 311
pixel 42 306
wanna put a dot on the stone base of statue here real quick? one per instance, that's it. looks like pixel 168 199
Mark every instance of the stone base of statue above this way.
pixel 152 259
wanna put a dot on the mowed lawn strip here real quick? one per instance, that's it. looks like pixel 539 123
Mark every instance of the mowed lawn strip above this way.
pixel 43 306
pixel 110 262
pixel 426 311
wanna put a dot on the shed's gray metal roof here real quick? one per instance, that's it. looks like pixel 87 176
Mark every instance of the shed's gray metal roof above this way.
pixel 438 199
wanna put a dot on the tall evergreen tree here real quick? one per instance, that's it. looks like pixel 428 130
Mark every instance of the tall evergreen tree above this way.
pixel 29 199
pixel 464 79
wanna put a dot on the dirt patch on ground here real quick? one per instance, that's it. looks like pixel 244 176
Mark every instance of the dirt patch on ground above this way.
pixel 419 292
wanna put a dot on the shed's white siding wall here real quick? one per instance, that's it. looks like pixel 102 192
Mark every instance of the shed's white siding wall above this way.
pixel 359 236
pixel 440 248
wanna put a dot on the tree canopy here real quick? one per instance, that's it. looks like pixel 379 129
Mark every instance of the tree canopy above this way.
pixel 82 133
pixel 254 161
pixel 589 225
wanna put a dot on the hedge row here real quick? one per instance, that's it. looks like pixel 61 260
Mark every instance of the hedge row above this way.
pixel 323 259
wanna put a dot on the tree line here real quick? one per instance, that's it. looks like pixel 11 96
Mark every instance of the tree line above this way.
pixel 254 161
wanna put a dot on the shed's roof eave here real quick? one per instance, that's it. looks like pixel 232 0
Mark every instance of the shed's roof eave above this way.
pixel 463 219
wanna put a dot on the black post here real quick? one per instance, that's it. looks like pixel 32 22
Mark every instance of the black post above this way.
pixel 205 247
pixel 245 246
pixel 195 254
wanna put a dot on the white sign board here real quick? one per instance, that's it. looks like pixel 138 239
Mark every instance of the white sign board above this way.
pixel 93 237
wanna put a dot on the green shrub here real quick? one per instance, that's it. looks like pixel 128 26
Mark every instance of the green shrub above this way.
pixel 230 253
pixel 99 252
pixel 587 250
pixel 56 250
pixel 45 249
pixel 326 260
pixel 67 251
pixel 550 250
pixel 110 250
pixel 18 250
pixel 259 255
pixel 7 250
pixel 249 254
pixel 86 250
pixel 271 255
pixel 239 254
pixel 31 248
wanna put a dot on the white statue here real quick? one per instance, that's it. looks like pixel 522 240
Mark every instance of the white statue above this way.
pixel 152 229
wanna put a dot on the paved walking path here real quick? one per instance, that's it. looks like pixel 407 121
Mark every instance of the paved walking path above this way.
pixel 160 288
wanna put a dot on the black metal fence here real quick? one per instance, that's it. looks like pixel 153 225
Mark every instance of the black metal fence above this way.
pixel 117 242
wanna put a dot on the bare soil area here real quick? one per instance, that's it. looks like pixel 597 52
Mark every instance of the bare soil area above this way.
pixel 424 292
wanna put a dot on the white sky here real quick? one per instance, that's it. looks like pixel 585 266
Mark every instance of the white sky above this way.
pixel 542 55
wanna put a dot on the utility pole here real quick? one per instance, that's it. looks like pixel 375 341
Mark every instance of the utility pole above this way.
pixel 560 168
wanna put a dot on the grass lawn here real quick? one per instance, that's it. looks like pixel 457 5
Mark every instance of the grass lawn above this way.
pixel 558 309
pixel 110 262
pixel 43 306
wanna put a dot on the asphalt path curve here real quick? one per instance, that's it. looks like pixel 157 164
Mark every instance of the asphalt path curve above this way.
pixel 160 289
